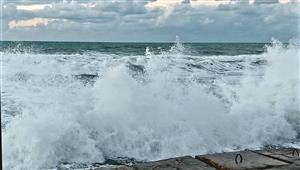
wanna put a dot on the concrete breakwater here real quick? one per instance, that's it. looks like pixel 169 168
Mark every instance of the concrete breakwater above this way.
pixel 269 159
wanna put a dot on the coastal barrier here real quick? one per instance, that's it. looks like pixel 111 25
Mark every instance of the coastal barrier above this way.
pixel 267 159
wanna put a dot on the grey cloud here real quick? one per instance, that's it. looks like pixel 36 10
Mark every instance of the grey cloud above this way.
pixel 266 1
pixel 131 21
pixel 10 12
pixel 226 7
pixel 123 7
pixel 102 10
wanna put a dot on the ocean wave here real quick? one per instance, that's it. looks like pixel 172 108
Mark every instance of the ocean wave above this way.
pixel 93 107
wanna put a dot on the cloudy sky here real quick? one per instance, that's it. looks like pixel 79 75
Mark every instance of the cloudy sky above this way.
pixel 150 20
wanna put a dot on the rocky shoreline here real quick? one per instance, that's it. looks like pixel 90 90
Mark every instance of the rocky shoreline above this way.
pixel 268 159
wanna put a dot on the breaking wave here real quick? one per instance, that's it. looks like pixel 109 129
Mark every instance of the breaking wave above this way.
pixel 94 107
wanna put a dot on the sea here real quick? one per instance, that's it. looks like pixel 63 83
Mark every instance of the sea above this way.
pixel 83 105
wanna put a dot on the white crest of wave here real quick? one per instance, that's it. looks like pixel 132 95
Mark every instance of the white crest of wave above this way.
pixel 162 116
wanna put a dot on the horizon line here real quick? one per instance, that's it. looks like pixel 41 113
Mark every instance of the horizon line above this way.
pixel 70 41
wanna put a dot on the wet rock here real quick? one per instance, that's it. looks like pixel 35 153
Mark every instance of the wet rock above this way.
pixel 184 163
pixel 240 160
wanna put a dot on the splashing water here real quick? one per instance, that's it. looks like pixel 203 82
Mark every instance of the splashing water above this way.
pixel 147 107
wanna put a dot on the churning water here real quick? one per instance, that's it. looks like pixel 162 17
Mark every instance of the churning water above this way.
pixel 86 103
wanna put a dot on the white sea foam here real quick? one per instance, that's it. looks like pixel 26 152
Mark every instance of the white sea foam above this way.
pixel 174 105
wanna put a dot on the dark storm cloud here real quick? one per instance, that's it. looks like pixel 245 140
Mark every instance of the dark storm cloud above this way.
pixel 134 20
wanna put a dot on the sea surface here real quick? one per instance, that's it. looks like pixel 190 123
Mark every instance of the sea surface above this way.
pixel 75 105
